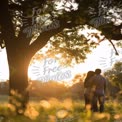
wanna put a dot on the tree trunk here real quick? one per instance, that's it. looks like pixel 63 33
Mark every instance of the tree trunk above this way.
pixel 18 79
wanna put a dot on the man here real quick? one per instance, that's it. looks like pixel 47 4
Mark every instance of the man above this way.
pixel 99 87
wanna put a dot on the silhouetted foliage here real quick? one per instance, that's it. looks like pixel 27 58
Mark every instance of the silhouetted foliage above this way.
pixel 27 25
pixel 114 76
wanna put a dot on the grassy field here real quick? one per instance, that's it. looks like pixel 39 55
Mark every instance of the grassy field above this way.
pixel 54 110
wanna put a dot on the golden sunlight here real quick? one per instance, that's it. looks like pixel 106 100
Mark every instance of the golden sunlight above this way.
pixel 4 72
pixel 50 69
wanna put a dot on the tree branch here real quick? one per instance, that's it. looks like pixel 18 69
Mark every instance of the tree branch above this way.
pixel 44 37
pixel 116 52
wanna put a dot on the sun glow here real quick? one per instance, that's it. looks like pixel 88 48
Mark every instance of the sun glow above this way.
pixel 4 72
pixel 102 57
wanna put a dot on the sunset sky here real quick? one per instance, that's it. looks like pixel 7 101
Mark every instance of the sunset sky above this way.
pixel 102 57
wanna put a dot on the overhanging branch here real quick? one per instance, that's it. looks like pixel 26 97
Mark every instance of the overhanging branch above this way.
pixel 116 52
pixel 44 37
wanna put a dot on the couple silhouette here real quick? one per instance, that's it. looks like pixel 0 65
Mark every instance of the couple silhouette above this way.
pixel 94 93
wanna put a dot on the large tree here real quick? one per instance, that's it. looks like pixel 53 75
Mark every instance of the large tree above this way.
pixel 27 25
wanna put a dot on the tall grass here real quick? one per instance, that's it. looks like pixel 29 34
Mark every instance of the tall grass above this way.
pixel 54 110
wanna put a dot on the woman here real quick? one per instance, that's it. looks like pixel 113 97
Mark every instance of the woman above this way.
pixel 88 89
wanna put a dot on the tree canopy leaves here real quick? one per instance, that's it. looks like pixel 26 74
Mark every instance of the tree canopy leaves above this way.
pixel 114 75
pixel 33 22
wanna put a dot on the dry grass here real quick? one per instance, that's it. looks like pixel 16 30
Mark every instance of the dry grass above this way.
pixel 54 110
